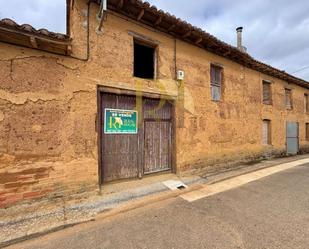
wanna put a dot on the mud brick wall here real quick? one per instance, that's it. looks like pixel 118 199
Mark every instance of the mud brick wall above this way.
pixel 47 131
pixel 48 108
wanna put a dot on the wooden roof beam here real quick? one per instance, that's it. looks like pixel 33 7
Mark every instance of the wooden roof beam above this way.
pixel 171 27
pixel 120 4
pixel 186 34
pixel 33 42
pixel 69 49
pixel 199 40
pixel 141 14
pixel 228 52
pixel 159 20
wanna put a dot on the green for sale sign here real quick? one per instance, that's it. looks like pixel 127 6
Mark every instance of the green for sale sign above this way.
pixel 120 121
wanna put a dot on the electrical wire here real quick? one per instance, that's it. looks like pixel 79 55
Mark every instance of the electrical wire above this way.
pixel 304 68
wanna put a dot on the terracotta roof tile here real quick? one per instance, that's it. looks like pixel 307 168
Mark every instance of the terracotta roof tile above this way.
pixel 27 28
pixel 219 47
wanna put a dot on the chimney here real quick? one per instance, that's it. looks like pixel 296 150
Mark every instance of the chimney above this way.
pixel 239 40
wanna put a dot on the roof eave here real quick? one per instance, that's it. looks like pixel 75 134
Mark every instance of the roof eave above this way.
pixel 26 36
pixel 180 29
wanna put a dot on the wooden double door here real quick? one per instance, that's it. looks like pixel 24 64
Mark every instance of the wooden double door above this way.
pixel 149 150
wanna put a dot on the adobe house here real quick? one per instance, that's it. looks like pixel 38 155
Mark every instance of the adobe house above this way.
pixel 130 91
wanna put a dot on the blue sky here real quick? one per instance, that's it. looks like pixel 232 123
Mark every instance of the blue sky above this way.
pixel 275 31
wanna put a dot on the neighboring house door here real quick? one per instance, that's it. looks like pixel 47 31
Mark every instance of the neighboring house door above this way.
pixel 266 139
pixel 292 138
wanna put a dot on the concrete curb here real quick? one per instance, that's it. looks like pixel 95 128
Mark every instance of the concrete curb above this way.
pixel 74 214
pixel 147 201
pixel 238 181
pixel 245 169
pixel 123 208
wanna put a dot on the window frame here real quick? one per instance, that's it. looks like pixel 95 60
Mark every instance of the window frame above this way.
pixel 291 98
pixel 306 103
pixel 218 85
pixel 307 132
pixel 155 47
pixel 269 132
pixel 270 100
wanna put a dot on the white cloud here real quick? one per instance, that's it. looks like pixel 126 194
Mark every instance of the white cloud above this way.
pixel 49 14
pixel 275 31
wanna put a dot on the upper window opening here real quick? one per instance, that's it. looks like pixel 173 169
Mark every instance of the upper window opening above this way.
pixel 306 103
pixel 216 82
pixel 144 61
pixel 288 99
pixel 267 96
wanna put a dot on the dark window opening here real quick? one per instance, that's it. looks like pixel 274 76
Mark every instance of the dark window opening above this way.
pixel 144 61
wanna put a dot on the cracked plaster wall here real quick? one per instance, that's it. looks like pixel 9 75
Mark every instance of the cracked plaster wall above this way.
pixel 48 107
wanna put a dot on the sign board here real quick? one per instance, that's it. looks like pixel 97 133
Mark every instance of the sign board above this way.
pixel 120 121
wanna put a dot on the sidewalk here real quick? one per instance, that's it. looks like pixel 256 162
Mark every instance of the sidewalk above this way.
pixel 43 217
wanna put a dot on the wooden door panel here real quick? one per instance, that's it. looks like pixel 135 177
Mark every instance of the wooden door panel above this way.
pixel 157 146
pixel 119 151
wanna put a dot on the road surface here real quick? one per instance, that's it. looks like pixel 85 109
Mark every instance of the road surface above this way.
pixel 269 213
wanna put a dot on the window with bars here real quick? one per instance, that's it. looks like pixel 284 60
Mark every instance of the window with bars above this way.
pixel 267 96
pixel 288 99
pixel 216 82
pixel 306 103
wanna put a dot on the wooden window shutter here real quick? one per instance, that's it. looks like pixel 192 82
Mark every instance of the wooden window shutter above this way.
pixel 215 82
pixel 266 133
pixel 288 98
pixel 306 103
pixel 267 98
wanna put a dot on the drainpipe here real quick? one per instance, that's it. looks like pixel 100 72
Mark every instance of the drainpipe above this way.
pixel 103 8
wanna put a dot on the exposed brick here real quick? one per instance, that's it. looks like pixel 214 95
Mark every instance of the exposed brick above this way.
pixel 25 177
pixel 41 176
pixel 52 122
pixel 8 177
pixel 2 198
pixel 32 195
pixel 13 185
pixel 11 199
pixel 18 184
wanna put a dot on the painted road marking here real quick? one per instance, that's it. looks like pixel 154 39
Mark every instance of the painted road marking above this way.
pixel 238 181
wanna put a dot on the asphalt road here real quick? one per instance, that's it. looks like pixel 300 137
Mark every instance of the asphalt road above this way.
pixel 270 213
